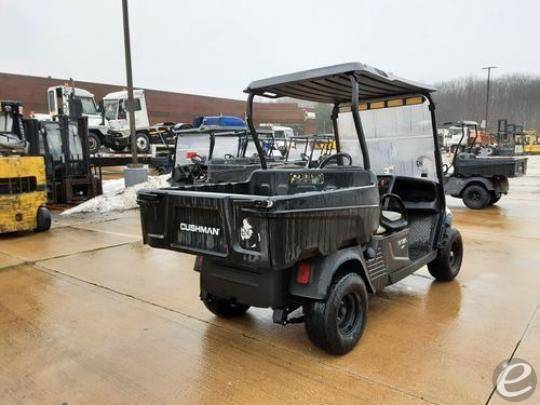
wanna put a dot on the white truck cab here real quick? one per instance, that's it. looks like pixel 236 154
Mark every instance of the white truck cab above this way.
pixel 58 98
pixel 281 134
pixel 451 135
pixel 116 114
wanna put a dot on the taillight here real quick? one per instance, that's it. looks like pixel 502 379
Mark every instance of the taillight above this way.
pixel 303 274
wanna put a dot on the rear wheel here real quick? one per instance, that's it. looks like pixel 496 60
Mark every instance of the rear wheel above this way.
pixel 143 142
pixel 449 257
pixel 43 219
pixel 94 143
pixel 337 323
pixel 224 308
pixel 476 196
pixel 494 198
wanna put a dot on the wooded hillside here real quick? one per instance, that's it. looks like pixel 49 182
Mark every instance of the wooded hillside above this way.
pixel 515 97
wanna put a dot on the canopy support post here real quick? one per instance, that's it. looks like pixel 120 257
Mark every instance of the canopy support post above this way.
pixel 438 166
pixel 253 131
pixel 358 122
pixel 334 117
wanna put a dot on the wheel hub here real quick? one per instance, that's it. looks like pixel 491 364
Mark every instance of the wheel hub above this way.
pixel 348 312
pixel 141 143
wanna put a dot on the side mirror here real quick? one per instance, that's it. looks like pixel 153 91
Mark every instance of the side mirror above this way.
pixel 101 109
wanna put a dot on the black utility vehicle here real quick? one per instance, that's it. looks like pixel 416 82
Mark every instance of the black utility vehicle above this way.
pixel 208 153
pixel 317 238
pixel 480 180
pixel 224 154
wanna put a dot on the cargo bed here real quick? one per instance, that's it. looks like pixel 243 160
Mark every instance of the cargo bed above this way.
pixel 467 165
pixel 271 221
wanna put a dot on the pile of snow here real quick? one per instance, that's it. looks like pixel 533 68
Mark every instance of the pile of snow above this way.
pixel 117 197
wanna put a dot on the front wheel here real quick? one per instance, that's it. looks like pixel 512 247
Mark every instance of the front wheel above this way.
pixel 94 143
pixel 44 219
pixel 476 196
pixel 224 308
pixel 494 198
pixel 447 264
pixel 143 142
pixel 337 323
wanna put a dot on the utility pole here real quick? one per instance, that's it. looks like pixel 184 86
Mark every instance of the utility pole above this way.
pixel 131 103
pixel 134 173
pixel 488 68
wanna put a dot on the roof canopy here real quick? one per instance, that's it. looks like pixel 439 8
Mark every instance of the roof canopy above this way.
pixel 332 84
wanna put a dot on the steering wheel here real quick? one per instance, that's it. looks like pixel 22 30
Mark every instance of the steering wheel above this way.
pixel 445 168
pixel 395 200
pixel 228 156
pixel 335 157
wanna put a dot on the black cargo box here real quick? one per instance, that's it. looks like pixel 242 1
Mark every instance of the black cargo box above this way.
pixel 272 220
pixel 467 165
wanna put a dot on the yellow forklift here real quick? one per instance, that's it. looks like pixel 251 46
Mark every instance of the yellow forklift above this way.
pixel 23 192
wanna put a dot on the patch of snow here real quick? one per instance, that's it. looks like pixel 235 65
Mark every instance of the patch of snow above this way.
pixel 117 197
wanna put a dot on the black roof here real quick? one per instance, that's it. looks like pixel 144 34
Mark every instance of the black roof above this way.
pixel 331 84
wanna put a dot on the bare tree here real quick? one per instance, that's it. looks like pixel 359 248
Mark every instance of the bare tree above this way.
pixel 515 97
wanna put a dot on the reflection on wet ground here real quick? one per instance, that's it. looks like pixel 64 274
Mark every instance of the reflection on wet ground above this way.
pixel 89 314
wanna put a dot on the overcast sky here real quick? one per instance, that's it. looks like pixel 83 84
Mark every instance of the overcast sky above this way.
pixel 216 47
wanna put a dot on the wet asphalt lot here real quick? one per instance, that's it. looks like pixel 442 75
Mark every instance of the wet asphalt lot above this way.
pixel 90 315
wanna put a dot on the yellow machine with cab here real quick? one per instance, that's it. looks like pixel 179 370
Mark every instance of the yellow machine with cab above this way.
pixel 531 142
pixel 23 193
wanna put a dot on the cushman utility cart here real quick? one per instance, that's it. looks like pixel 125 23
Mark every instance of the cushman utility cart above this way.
pixel 479 180
pixel 321 238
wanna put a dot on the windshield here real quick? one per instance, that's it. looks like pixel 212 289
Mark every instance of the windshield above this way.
pixel 54 140
pixel 268 146
pixel 75 146
pixel 279 134
pixel 111 109
pixel 189 145
pixel 6 122
pixel 453 131
pixel 88 105
pixel 399 140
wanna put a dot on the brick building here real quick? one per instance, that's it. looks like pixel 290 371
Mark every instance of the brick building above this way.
pixel 162 105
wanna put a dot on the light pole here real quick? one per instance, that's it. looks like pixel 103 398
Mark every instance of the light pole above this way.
pixel 127 49
pixel 134 173
pixel 488 68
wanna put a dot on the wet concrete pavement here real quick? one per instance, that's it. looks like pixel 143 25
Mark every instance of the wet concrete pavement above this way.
pixel 89 314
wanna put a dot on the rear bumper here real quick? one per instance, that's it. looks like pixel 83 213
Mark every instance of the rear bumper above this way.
pixel 265 289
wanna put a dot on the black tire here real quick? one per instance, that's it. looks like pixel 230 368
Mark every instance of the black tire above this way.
pixel 118 148
pixel 337 323
pixel 94 143
pixel 224 308
pixel 143 142
pixel 449 257
pixel 475 196
pixel 44 219
pixel 494 198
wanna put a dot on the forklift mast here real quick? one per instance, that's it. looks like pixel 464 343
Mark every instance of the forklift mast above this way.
pixel 64 144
